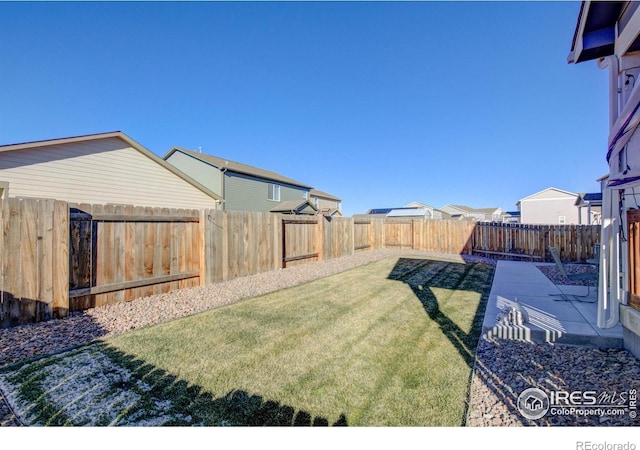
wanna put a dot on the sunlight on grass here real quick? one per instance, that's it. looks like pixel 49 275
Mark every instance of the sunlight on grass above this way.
pixel 387 344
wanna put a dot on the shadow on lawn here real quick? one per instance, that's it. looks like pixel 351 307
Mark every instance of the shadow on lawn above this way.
pixel 423 274
pixel 235 408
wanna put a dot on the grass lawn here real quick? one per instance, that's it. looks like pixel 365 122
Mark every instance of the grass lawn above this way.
pixel 387 344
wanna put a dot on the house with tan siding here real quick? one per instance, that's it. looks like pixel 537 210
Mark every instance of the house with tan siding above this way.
pixel 243 187
pixel 326 204
pixel 463 212
pixel 105 168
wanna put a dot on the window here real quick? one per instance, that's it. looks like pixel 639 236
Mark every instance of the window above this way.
pixel 305 195
pixel 273 192
pixel 561 220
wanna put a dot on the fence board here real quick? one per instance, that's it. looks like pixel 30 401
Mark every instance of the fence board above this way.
pixel 45 262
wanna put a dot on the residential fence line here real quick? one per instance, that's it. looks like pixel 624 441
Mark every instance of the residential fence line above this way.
pixel 59 257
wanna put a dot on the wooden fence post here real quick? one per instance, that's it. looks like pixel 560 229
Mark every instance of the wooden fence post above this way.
pixel 319 236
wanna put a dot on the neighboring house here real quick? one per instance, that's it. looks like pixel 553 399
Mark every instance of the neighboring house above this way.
pixel 414 210
pixel 98 169
pixel 411 213
pixel 243 187
pixel 550 206
pixel 463 212
pixel 511 217
pixel 609 32
pixel 381 212
pixel 590 208
pixel 326 204
pixel 434 213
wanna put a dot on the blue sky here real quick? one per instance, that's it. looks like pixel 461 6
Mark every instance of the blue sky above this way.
pixel 378 103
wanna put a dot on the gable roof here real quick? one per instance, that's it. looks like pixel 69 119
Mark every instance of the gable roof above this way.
pixel 35 145
pixel 301 206
pixel 548 189
pixel 419 205
pixel 233 166
pixel 318 193
pixel 461 208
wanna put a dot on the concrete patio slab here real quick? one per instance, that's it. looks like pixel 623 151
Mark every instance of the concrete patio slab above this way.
pixel 551 317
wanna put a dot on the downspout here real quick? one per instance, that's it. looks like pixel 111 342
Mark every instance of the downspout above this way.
pixel 614 90
pixel 609 279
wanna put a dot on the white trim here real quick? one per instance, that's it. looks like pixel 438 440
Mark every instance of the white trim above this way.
pixel 548 189
pixel 609 299
pixel 276 192
pixel 628 34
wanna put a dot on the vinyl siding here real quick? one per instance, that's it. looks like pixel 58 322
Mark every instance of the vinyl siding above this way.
pixel 97 171
pixel 548 211
pixel 244 193
pixel 205 174
pixel 324 203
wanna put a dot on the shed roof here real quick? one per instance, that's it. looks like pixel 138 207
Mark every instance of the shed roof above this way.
pixel 233 166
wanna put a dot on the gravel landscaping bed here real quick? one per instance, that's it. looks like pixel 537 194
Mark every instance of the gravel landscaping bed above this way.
pixel 552 272
pixel 505 368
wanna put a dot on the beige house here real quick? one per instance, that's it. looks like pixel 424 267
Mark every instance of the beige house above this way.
pixel 433 213
pixel 551 206
pixel 106 168
pixel 463 212
pixel 326 204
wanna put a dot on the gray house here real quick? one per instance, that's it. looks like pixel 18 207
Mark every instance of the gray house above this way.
pixel 243 187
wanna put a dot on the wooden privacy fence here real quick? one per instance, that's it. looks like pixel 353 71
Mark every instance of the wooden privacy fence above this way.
pixel 573 242
pixel 34 278
pixel 57 257
pixel 118 253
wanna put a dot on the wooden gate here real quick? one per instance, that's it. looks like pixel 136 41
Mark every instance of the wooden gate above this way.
pixel 301 240
pixel 633 221
pixel 118 253
pixel 398 233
